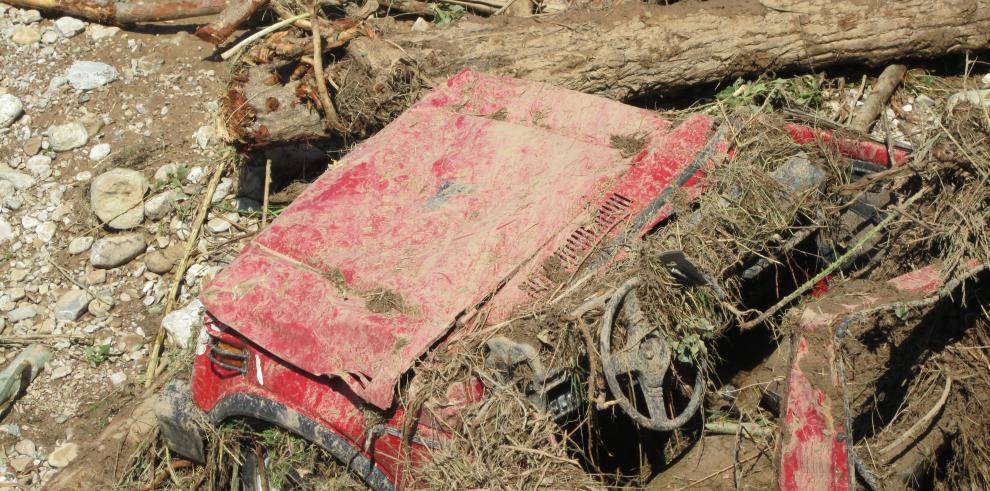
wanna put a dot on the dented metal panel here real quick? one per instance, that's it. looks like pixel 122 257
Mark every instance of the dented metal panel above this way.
pixel 375 261
pixel 815 452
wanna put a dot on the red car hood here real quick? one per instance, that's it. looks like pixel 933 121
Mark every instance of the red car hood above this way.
pixel 378 258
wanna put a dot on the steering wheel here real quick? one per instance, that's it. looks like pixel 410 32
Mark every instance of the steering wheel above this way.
pixel 645 357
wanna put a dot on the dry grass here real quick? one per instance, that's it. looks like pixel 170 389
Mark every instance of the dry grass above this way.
pixel 505 442
pixel 290 463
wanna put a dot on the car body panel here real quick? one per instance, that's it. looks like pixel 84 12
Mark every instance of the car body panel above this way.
pixel 455 201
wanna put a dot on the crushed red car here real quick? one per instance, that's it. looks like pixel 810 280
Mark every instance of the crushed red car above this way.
pixel 456 205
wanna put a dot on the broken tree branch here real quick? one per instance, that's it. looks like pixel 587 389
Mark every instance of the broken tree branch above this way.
pixel 268 183
pixel 330 118
pixel 180 269
pixel 124 12
pixel 233 16
pixel 888 80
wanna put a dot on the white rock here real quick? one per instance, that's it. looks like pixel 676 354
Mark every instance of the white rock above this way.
pixel 6 232
pixel 22 313
pixel 88 75
pixel 421 25
pixel 26 447
pixel 223 189
pixel 69 136
pixel 16 294
pixel 46 231
pixel 159 205
pixel 40 166
pixel 924 103
pixel 147 65
pixel 20 180
pixel 84 176
pixel 11 429
pixel 98 32
pixel 7 189
pixel 117 196
pixel 196 270
pixel 29 221
pixel 60 372
pixel 116 250
pixel 117 378
pixel 100 307
pixel 72 305
pixel 21 462
pixel 986 79
pixel 50 36
pixel 217 225
pixel 203 136
pixel 195 175
pixel 164 173
pixel 30 16
pixel 63 455
pixel 183 325
pixel 24 35
pixel 11 108
pixel 69 26
pixel 99 152
pixel 973 96
pixel 80 245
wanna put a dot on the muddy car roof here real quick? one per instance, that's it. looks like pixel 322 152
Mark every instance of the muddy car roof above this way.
pixel 376 260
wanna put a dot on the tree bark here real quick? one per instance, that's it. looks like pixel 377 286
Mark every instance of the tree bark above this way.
pixel 122 12
pixel 635 50
pixel 877 100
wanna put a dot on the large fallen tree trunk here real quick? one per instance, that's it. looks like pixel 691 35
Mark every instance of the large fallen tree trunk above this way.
pixel 632 51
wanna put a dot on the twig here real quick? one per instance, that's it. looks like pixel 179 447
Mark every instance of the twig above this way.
pixel 593 362
pixel 164 473
pixel 37 338
pixel 262 471
pixel 479 7
pixel 831 267
pixel 71 279
pixel 180 270
pixel 732 428
pixel 893 450
pixel 504 7
pixel 330 118
pixel 260 34
pixel 268 182
pixel 541 453
pixel 285 13
pixel 859 93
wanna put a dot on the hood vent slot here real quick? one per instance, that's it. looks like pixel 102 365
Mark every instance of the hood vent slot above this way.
pixel 559 266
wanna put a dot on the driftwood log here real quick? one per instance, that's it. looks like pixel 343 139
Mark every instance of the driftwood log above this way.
pixel 123 12
pixel 634 50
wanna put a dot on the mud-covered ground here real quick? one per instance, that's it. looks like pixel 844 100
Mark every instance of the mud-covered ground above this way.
pixel 156 113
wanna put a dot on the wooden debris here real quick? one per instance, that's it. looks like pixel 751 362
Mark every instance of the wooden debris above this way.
pixel 109 12
pixel 875 102
pixel 671 48
pixel 233 16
